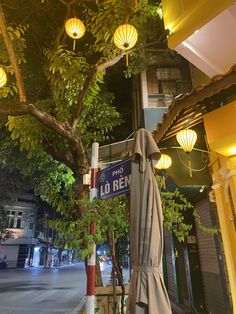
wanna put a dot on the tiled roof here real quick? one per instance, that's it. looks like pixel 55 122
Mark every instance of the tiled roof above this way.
pixel 188 109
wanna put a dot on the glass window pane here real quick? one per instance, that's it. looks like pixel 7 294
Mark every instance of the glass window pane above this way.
pixel 18 224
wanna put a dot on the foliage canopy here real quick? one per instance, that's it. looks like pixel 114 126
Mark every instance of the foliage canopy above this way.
pixel 56 102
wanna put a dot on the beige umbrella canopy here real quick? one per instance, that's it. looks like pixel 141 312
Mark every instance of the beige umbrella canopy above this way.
pixel 147 290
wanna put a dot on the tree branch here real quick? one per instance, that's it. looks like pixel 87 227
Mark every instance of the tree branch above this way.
pixel 58 155
pixel 77 161
pixel 64 130
pixel 12 57
pixel 67 4
pixel 5 110
pixel 88 82
pixel 80 98
pixel 47 120
pixel 109 63
pixel 62 29
pixel 51 123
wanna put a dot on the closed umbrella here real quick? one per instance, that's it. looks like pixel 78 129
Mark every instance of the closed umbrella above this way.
pixel 147 290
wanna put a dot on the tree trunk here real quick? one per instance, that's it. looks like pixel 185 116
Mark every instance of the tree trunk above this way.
pixel 116 270
pixel 98 282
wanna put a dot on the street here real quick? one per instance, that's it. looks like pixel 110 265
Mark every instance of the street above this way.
pixel 42 291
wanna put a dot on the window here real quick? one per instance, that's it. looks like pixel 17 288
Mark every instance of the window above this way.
pixel 31 226
pixel 18 223
pixel 19 213
pixel 13 212
pixel 11 223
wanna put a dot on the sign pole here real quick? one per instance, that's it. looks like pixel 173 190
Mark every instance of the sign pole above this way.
pixel 91 266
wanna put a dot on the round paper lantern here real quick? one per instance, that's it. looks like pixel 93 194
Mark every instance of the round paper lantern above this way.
pixel 186 139
pixel 125 37
pixel 75 28
pixel 3 77
pixel 164 162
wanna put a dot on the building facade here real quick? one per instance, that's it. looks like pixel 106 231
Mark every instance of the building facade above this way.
pixel 203 32
pixel 202 279
pixel 22 218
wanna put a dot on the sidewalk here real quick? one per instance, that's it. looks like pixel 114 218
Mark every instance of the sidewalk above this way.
pixel 106 277
pixel 106 273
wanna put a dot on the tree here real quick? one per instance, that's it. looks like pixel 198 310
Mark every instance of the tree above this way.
pixel 48 178
pixel 62 103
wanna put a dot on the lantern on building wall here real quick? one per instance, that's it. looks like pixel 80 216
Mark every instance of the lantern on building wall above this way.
pixel 187 139
pixel 75 28
pixel 163 163
pixel 3 77
pixel 125 37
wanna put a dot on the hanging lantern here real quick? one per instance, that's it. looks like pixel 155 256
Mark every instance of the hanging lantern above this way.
pixel 125 37
pixel 75 29
pixel 187 139
pixel 3 77
pixel 164 162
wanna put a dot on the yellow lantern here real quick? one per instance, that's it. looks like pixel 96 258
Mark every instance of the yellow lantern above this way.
pixel 75 28
pixel 164 162
pixel 125 37
pixel 3 77
pixel 187 139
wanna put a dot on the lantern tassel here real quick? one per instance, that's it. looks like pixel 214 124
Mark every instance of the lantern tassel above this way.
pixel 126 59
pixel 74 45
pixel 164 182
pixel 190 167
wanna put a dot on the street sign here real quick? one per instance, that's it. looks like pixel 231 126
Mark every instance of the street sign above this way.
pixel 115 180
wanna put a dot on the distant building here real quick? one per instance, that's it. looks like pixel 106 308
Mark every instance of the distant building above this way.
pixel 31 243
pixel 19 248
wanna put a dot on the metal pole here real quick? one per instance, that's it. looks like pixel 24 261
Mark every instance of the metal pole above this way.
pixel 91 267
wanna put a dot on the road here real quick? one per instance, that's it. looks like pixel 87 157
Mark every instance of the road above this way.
pixel 42 291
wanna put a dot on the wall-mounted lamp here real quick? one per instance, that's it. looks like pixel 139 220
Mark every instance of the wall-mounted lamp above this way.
pixel 187 139
pixel 163 163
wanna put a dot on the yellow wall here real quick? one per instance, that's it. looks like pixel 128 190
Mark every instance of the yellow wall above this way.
pixel 221 132
pixel 184 17
pixel 223 171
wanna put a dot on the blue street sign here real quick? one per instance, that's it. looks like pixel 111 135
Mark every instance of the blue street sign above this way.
pixel 115 180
